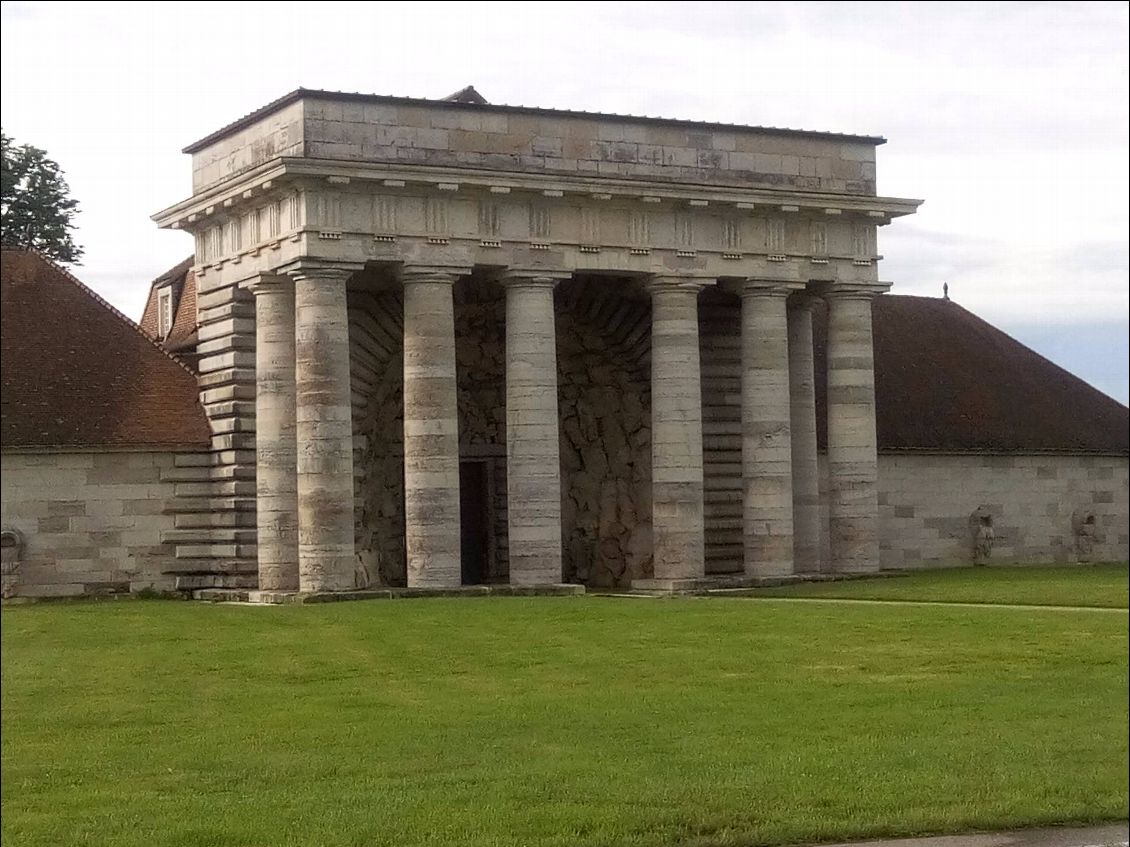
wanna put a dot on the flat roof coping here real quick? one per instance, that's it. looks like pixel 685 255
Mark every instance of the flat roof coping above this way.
pixel 354 97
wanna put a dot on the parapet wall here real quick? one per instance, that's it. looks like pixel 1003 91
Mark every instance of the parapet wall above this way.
pixel 396 131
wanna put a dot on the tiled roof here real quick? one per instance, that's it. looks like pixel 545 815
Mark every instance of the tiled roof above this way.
pixel 947 380
pixel 181 339
pixel 77 373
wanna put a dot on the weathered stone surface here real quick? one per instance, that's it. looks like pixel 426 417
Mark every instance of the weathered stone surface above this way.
pixel 807 528
pixel 852 460
pixel 276 446
pixel 324 427
pixel 766 436
pixel 431 433
pixel 676 414
pixel 532 459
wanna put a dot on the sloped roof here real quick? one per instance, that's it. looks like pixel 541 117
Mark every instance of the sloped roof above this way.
pixel 78 373
pixel 182 336
pixel 947 380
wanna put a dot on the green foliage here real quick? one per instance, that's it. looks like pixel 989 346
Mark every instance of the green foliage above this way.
pixel 36 209
pixel 554 722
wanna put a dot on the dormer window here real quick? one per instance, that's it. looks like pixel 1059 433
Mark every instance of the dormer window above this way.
pixel 164 313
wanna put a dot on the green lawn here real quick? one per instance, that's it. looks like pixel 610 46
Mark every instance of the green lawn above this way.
pixel 554 721
pixel 1088 585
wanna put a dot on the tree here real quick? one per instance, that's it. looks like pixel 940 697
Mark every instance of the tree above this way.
pixel 36 209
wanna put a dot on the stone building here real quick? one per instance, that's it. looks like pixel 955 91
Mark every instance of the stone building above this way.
pixel 98 428
pixel 447 342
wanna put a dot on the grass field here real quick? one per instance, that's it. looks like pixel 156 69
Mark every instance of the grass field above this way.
pixel 565 721
pixel 1091 585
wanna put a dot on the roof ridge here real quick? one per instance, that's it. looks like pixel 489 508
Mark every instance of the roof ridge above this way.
pixel 98 298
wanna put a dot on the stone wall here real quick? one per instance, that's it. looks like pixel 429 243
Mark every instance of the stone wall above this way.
pixel 396 131
pixel 925 503
pixel 604 399
pixel 92 523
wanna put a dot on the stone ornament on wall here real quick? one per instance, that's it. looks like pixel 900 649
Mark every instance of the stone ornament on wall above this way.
pixel 1084 529
pixel 11 552
pixel 981 528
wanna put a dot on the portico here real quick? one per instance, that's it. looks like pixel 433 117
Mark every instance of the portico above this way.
pixel 596 236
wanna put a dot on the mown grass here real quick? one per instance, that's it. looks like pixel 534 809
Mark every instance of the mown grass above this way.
pixel 572 721
pixel 1102 585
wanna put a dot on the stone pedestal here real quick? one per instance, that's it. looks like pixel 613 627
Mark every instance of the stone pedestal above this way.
pixel 431 430
pixel 767 493
pixel 325 430
pixel 806 472
pixel 276 471
pixel 533 464
pixel 853 510
pixel 676 434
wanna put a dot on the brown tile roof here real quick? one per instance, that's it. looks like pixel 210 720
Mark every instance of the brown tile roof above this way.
pixel 947 380
pixel 181 339
pixel 77 373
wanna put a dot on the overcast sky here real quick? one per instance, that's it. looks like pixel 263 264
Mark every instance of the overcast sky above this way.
pixel 1010 120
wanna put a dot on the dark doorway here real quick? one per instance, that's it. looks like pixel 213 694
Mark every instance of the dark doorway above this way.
pixel 473 520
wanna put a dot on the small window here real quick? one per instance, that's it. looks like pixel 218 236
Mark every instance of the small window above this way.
pixel 164 313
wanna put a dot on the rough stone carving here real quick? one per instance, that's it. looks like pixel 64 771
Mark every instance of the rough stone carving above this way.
pixel 981 528
pixel 1084 528
pixel 11 551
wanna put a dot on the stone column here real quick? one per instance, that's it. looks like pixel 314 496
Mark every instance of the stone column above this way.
pixel 853 510
pixel 325 430
pixel 533 462
pixel 431 430
pixel 806 470
pixel 676 430
pixel 276 473
pixel 767 486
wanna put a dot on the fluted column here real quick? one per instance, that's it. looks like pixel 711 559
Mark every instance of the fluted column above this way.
pixel 276 473
pixel 431 430
pixel 767 502
pixel 676 430
pixel 852 458
pixel 325 431
pixel 533 463
pixel 806 472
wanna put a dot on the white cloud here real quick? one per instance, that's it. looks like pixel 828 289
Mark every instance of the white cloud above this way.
pixel 1010 119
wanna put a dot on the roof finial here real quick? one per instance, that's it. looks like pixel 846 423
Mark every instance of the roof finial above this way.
pixel 945 291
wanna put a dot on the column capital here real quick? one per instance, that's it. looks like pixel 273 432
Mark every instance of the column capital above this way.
pixel 763 287
pixel 852 290
pixel 526 278
pixel 268 283
pixel 433 273
pixel 303 270
pixel 692 284
pixel 803 301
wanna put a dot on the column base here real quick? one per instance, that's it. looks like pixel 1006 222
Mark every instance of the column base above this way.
pixel 278 598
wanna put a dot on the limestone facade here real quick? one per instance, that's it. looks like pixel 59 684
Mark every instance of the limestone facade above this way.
pixel 588 416
pixel 96 522
pixel 1034 502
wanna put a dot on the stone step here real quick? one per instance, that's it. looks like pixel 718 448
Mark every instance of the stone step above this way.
pixel 215 488
pixel 221 595
pixel 200 505
pixel 198 581
pixel 209 535
pixel 219 551
pixel 205 567
pixel 200 520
